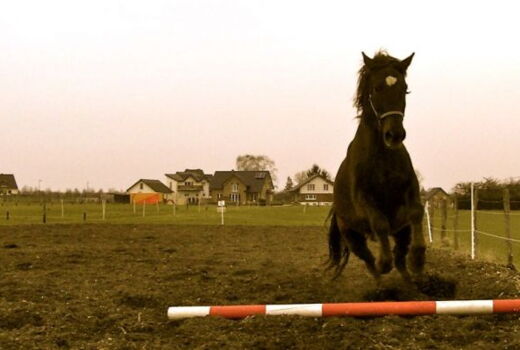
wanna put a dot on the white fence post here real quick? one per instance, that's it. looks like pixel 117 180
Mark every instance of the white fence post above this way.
pixel 472 223
pixel 103 205
pixel 428 221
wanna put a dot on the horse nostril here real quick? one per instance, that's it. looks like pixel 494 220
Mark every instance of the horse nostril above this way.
pixel 389 136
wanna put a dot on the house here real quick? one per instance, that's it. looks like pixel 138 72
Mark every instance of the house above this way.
pixel 242 187
pixel 435 196
pixel 190 186
pixel 8 184
pixel 316 190
pixel 149 191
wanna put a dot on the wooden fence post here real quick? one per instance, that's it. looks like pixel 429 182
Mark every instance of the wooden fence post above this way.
pixel 456 223
pixel 507 209
pixel 103 207
pixel 84 216
pixel 444 219
pixel 144 208
pixel 474 206
pixel 62 209
pixel 44 213
pixel 7 215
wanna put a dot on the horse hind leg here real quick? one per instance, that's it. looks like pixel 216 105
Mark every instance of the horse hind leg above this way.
pixel 416 257
pixel 357 243
pixel 402 243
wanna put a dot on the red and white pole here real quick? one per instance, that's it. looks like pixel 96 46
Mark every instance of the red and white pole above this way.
pixel 452 307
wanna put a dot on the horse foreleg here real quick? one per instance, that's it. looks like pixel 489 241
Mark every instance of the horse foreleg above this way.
pixel 418 245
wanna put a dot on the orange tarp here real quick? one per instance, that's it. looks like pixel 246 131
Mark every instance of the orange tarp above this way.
pixel 148 198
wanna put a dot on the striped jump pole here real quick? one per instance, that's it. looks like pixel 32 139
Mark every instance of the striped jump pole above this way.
pixel 452 307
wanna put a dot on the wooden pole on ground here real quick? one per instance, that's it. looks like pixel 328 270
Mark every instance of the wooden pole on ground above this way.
pixel 144 208
pixel 62 209
pixel 7 215
pixel 507 218
pixel 103 207
pixel 44 213
pixel 456 223
pixel 133 201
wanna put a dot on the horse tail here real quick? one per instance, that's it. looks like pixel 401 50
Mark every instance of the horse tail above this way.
pixel 338 251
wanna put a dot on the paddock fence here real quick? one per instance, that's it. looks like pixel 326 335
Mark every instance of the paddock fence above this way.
pixel 490 234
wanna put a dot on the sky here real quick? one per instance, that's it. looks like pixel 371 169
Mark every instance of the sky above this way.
pixel 107 92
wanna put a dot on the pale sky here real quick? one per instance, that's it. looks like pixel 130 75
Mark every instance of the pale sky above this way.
pixel 107 92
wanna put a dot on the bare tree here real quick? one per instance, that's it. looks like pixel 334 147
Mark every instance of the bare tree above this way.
pixel 289 184
pixel 315 169
pixel 259 162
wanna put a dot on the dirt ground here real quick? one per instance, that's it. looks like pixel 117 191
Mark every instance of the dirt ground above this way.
pixel 109 286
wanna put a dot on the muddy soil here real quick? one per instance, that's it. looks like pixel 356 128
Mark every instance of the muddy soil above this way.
pixel 108 287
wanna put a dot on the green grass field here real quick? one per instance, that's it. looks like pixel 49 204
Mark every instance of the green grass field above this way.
pixel 492 222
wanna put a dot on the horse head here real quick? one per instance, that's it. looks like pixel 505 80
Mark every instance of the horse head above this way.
pixel 383 95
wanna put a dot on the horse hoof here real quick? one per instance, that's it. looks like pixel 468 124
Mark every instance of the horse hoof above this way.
pixel 384 266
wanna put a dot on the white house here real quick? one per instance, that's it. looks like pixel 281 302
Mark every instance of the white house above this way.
pixel 190 186
pixel 316 190
pixel 149 191
pixel 8 184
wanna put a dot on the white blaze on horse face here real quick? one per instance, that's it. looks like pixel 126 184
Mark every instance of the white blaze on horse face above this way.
pixel 390 80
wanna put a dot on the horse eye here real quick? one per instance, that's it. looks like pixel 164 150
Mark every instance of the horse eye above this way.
pixel 408 92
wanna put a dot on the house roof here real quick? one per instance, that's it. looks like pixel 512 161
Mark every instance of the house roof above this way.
pixel 155 185
pixel 8 181
pixel 197 174
pixel 297 187
pixel 433 191
pixel 253 180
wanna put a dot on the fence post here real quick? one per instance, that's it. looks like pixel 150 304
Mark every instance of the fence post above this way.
pixel 157 205
pixel 444 219
pixel 62 209
pixel 103 206
pixel 133 202
pixel 7 215
pixel 474 204
pixel 44 213
pixel 428 221
pixel 144 208
pixel 507 209
pixel 84 216
pixel 456 223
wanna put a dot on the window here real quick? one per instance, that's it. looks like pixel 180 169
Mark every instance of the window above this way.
pixel 325 187
pixel 310 197
pixel 219 196
pixel 141 186
pixel 188 183
pixel 234 188
pixel 310 187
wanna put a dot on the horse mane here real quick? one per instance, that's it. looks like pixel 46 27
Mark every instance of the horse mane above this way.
pixel 381 60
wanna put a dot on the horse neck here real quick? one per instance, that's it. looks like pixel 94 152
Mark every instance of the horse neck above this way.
pixel 368 129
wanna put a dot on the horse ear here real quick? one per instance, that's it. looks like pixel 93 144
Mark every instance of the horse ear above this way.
pixel 368 61
pixel 406 62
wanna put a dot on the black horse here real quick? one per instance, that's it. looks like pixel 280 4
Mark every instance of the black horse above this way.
pixel 376 192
